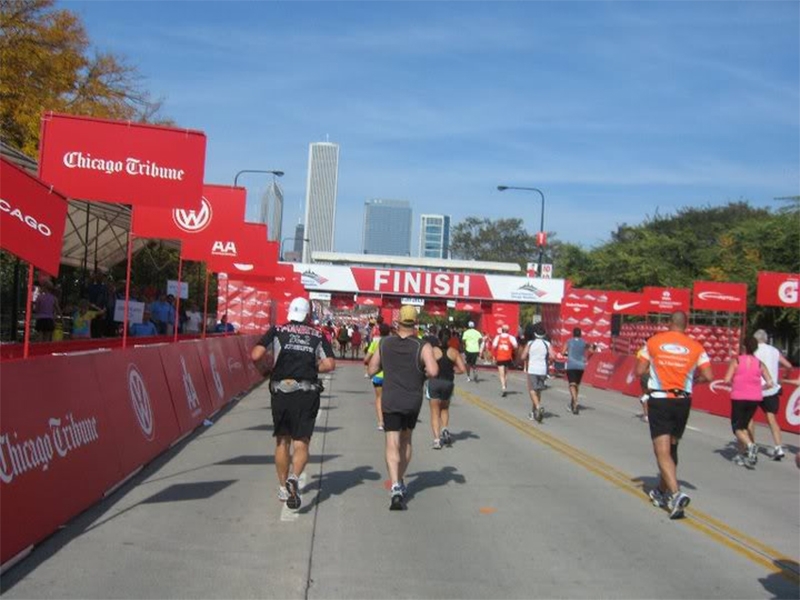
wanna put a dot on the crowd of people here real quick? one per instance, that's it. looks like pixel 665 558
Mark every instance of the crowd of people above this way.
pixel 407 364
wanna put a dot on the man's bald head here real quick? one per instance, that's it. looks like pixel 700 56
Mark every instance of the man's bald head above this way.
pixel 678 321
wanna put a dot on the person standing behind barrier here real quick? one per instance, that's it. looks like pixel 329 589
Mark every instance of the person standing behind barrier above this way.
pixel 46 310
pixel 505 347
pixel 406 361
pixel 745 372
pixel 576 365
pixel 672 358
pixel 377 380
pixel 301 352
pixel 82 319
pixel 770 404
pixel 536 357
pixel 472 348
pixel 439 389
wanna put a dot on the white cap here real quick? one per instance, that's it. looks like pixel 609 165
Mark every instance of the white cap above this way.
pixel 298 310
pixel 471 324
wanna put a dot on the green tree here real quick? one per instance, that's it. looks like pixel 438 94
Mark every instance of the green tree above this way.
pixel 501 240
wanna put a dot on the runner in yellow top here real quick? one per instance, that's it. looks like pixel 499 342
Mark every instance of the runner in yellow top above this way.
pixel 671 358
pixel 377 379
pixel 472 346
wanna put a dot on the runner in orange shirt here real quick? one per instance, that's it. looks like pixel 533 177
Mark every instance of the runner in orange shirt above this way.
pixel 504 346
pixel 672 358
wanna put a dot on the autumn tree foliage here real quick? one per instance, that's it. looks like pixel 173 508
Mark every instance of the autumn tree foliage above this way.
pixel 48 63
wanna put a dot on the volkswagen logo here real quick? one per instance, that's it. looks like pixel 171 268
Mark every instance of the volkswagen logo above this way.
pixel 193 221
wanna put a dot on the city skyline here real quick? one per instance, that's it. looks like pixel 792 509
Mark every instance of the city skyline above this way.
pixel 434 236
pixel 321 193
pixel 387 227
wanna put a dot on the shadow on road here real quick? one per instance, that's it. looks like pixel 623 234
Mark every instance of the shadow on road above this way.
pixel 783 584
pixel 429 479
pixel 464 435
pixel 336 483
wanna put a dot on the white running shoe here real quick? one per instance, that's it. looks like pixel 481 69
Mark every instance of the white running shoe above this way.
pixel 283 493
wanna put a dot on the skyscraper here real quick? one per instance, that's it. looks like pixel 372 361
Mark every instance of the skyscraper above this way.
pixel 434 236
pixel 299 234
pixel 387 227
pixel 272 210
pixel 323 175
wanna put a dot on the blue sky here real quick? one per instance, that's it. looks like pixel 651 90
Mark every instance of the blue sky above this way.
pixel 615 110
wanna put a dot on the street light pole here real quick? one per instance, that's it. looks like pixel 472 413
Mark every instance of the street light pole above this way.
pixel 503 188
pixel 236 178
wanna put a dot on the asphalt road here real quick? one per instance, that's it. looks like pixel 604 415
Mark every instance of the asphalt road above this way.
pixel 514 509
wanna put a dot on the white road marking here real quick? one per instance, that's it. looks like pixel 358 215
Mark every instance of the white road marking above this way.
pixel 694 428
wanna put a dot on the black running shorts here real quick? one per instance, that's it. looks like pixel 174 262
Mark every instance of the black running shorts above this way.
pixel 399 421
pixel 45 325
pixel 471 358
pixel 771 404
pixel 439 389
pixel 668 416
pixel 505 363
pixel 742 412
pixel 294 414
pixel 575 376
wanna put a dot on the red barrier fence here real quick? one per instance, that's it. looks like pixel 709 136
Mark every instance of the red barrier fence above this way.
pixel 608 370
pixel 73 427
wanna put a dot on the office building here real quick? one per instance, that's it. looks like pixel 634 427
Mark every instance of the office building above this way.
pixel 321 188
pixel 299 232
pixel 434 236
pixel 387 227
pixel 272 210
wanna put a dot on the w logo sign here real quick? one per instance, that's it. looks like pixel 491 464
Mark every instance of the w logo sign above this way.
pixel 192 221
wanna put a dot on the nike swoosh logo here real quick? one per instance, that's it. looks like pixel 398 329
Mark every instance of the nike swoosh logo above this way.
pixel 618 306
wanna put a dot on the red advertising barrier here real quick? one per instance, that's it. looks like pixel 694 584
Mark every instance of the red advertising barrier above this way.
pixel 235 365
pixel 57 450
pixel 247 342
pixel 778 289
pixel 625 379
pixel 135 391
pixel 187 384
pixel 601 368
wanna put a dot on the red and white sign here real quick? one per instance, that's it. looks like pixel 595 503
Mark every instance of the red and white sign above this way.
pixel 666 300
pixel 468 306
pixel 778 289
pixel 32 218
pixel 711 295
pixel 118 161
pixel 368 300
pixel 627 303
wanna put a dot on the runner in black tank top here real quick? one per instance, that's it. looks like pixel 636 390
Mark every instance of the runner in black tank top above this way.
pixel 440 389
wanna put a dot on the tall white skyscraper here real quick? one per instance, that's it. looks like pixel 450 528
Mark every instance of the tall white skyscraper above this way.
pixel 434 236
pixel 272 210
pixel 321 188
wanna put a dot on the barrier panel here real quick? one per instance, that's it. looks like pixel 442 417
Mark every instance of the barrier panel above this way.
pixel 247 342
pixel 187 384
pixel 624 378
pixel 218 380
pixel 601 368
pixel 57 447
pixel 135 392
pixel 235 367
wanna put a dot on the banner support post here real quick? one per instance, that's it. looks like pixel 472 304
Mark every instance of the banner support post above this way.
pixel 205 304
pixel 28 304
pixel 177 302
pixel 127 292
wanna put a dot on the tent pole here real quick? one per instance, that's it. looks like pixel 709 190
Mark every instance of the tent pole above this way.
pixel 127 292
pixel 205 304
pixel 28 303
pixel 177 302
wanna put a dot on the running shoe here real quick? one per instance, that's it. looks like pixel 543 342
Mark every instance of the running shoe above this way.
pixel 752 455
pixel 657 498
pixel 532 415
pixel 283 493
pixel 677 502
pixel 778 453
pixel 540 415
pixel 293 501
pixel 403 488
pixel 437 444
pixel 740 460
pixel 397 502
pixel 575 410
pixel 380 426
pixel 447 439
pixel 503 394
pixel 468 379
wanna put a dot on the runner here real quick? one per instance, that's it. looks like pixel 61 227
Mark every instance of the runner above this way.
pixel 576 364
pixel 440 388
pixel 406 361
pixel 472 347
pixel 774 360
pixel 672 358
pixel 301 352
pixel 536 356
pixel 745 372
pixel 504 346
pixel 377 380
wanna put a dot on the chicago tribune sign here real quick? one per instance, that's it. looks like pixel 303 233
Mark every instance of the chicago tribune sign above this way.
pixel 131 166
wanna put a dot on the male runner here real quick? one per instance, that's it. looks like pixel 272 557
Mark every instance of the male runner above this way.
pixel 576 364
pixel 536 357
pixel 301 351
pixel 773 360
pixel 672 358
pixel 504 346
pixel 472 347
pixel 406 361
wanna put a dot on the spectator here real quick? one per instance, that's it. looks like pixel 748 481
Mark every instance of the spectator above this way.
pixel 83 317
pixel 98 295
pixel 194 319
pixel 46 310
pixel 355 342
pixel 161 311
pixel 223 326
pixel 145 328
pixel 343 337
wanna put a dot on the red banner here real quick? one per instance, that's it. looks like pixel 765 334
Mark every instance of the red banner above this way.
pixel 119 161
pixel 778 289
pixel 32 218
pixel 666 300
pixel 468 306
pixel 369 300
pixel 710 295
pixel 187 385
pixel 436 308
pixel 342 302
pixel 627 303
pixel 220 210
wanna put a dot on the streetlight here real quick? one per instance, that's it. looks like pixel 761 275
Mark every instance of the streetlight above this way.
pixel 236 178
pixel 291 238
pixel 503 188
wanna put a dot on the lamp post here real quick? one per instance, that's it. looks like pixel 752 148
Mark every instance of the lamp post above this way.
pixel 294 237
pixel 503 188
pixel 236 178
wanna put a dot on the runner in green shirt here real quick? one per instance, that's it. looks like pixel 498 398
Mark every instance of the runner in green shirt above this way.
pixel 472 347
